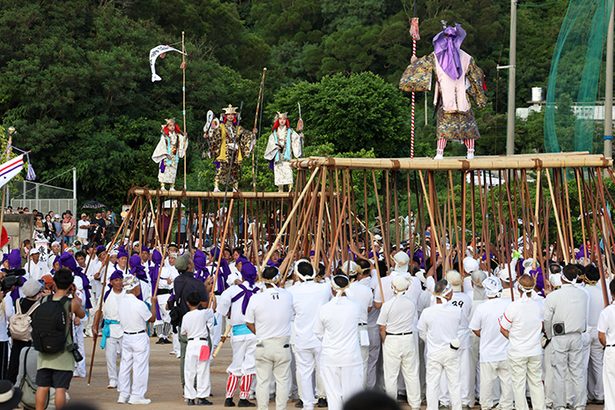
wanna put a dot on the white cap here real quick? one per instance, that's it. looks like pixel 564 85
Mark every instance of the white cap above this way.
pixel 478 276
pixel 401 261
pixel 34 251
pixel 555 279
pixel 130 282
pixel 232 277
pixel 55 243
pixel 506 273
pixel 351 269
pixel 400 284
pixel 470 264
pixel 421 275
pixel 493 286
pixel 454 279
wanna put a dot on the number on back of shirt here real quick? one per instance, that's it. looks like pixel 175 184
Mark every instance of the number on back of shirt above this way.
pixel 275 296
pixel 457 303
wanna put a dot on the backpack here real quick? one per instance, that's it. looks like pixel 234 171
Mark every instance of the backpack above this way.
pixel 26 380
pixel 20 324
pixel 50 326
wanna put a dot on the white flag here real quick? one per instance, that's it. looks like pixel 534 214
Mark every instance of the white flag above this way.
pixel 153 55
pixel 10 169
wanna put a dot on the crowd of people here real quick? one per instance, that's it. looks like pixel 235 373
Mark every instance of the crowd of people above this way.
pixel 487 333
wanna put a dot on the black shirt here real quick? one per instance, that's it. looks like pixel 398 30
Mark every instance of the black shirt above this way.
pixel 185 284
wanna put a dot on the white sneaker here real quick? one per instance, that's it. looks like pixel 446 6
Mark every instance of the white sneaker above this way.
pixel 470 154
pixel 172 189
pixel 439 156
pixel 122 399
pixel 139 401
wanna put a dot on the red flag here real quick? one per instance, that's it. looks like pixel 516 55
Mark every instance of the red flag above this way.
pixel 4 238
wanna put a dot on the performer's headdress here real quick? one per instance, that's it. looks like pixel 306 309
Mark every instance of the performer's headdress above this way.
pixel 230 110
pixel 279 117
pixel 170 123
pixel 447 45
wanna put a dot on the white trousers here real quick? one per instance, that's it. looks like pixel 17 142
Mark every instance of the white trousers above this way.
pixel 196 372
pixel 244 348
pixel 595 387
pixel 113 348
pixel 79 340
pixel 134 366
pixel 340 383
pixel 567 357
pixel 608 376
pixel 467 375
pixel 527 369
pixel 491 373
pixel 273 362
pixel 401 353
pixel 305 363
pixel 445 360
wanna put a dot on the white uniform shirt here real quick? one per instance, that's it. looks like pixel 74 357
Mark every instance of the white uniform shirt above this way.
pixel 81 231
pixel 568 305
pixel 523 319
pixel 308 297
pixel 196 323
pixel 606 324
pixel 35 270
pixel 362 296
pixel 167 272
pixel 225 304
pixel 439 325
pixel 111 312
pixel 9 311
pixel 596 304
pixel 133 313
pixel 271 312
pixel 337 327
pixel 398 315
pixel 493 345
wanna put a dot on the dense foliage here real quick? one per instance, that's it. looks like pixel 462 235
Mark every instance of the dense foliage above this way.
pixel 75 81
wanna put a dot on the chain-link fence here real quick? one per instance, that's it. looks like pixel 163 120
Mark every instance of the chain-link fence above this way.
pixel 42 197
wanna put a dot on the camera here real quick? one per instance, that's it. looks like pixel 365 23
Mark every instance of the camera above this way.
pixel 74 349
pixel 559 329
pixel 11 279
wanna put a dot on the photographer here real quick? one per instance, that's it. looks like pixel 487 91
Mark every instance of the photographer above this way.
pixel 55 368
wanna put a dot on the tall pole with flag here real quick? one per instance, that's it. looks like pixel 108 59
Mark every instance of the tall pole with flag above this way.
pixel 184 101
pixel 10 172
pixel 414 33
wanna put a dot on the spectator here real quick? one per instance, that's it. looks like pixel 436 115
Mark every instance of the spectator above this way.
pixel 6 311
pixel 68 228
pixel 50 227
pixel 57 225
pixel 56 369
pixel 32 291
pixel 98 228
pixel 83 228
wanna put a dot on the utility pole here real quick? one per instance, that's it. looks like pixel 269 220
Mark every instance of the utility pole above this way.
pixel 512 61
pixel 608 92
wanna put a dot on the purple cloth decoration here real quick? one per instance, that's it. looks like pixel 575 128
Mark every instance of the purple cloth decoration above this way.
pixel 15 292
pixel 223 272
pixel 68 261
pixel 153 274
pixel 144 249
pixel 137 269
pixel 14 259
pixel 5 257
pixel 447 45
pixel 246 294
pixel 419 257
pixel 540 284
pixel 162 166
pixel 115 275
pixel 580 254
pixel 200 265
pixel 121 252
pixel 248 272
pixel 312 253
pixel 100 249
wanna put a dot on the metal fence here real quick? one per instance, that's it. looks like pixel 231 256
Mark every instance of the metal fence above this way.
pixel 42 197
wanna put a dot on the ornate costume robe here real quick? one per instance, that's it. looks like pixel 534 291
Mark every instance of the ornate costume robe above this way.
pixel 282 145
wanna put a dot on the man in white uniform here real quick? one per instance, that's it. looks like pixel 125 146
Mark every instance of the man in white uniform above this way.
pixel 111 340
pixel 521 324
pixel 341 365
pixel 134 366
pixel 439 326
pixel 606 333
pixel 565 321
pixel 308 297
pixel 235 300
pixel 595 388
pixel 35 268
pixel 397 321
pixel 362 296
pixel 493 347
pixel 168 274
pixel 269 316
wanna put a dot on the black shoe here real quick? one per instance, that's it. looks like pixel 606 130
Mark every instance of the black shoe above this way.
pixel 204 402
pixel 402 397
pixel 322 402
pixel 229 402
pixel 299 404
pixel 167 342
pixel 160 341
pixel 245 403
pixel 190 402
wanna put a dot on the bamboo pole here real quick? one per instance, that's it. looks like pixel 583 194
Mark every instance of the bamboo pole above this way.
pixel 228 216
pixel 557 221
pixel 431 217
pixel 582 213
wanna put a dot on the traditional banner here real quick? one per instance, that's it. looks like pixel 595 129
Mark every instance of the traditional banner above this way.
pixel 10 169
pixel 154 53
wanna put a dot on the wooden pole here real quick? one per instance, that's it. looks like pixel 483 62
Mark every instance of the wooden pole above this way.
pixel 228 216
pixel 261 95
pixel 184 103
pixel 434 234
pixel 321 209
pixel 557 221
